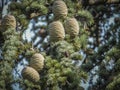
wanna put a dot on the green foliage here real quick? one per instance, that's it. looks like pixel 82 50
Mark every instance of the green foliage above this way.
pixel 115 84
pixel 60 49
pixel 26 10
pixel 80 42
pixel 117 66
pixel 11 45
pixel 76 56
pixel 73 7
pixel 11 50
pixel 59 74
pixel 61 69
pixel 85 17
pixel 29 85
pixel 113 52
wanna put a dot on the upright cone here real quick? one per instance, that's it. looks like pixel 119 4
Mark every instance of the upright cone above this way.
pixel 56 31
pixel 59 9
pixel 72 27
pixel 30 74
pixel 37 62
pixel 8 21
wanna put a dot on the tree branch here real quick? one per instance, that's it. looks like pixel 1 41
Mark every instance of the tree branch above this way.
pixel 98 2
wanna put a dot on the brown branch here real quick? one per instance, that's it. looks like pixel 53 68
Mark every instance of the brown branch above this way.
pixel 98 2
pixel 104 1
pixel 1 8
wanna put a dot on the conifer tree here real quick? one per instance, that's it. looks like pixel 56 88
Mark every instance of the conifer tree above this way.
pixel 73 43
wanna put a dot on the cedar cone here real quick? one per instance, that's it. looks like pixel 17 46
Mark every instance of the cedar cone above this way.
pixel 30 74
pixel 56 31
pixel 37 62
pixel 59 9
pixel 8 21
pixel 72 27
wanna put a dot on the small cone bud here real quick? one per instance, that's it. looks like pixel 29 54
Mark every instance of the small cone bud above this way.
pixel 59 9
pixel 43 33
pixel 56 31
pixel 30 74
pixel 72 27
pixel 37 61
